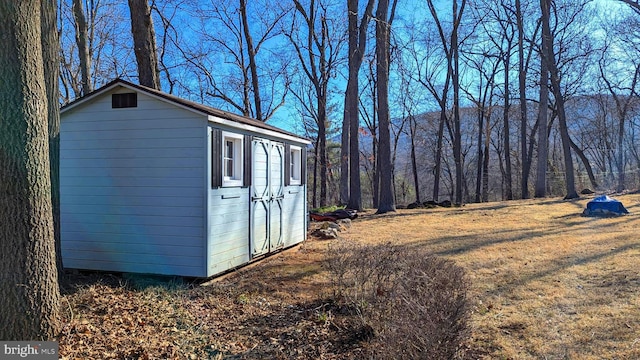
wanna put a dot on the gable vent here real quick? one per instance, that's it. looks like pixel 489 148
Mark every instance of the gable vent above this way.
pixel 126 100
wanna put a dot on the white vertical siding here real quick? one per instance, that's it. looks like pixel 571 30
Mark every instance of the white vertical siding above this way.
pixel 228 232
pixel 132 186
pixel 294 214
pixel 227 222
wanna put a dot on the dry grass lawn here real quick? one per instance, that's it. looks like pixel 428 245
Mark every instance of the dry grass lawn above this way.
pixel 546 283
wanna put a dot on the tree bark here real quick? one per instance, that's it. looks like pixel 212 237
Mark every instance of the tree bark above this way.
pixel 562 117
pixel 522 89
pixel 322 148
pixel 144 43
pixel 455 79
pixel 51 59
pixel 351 123
pixel 386 200
pixel 438 156
pixel 543 139
pixel 414 163
pixel 82 40
pixel 480 152
pixel 587 164
pixel 29 305
pixel 507 134
pixel 485 162
pixel 314 199
pixel 345 148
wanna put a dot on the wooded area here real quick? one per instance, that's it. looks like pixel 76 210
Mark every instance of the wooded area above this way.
pixel 463 87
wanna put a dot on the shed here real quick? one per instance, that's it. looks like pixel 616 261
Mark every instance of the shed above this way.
pixel 152 183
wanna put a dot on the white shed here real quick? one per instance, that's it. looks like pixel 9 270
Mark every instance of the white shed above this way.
pixel 151 183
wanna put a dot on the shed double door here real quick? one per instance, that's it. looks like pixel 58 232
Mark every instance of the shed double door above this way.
pixel 267 196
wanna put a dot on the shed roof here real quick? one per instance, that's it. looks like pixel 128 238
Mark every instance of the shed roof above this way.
pixel 248 123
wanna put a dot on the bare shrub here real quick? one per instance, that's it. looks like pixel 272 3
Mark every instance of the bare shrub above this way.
pixel 415 304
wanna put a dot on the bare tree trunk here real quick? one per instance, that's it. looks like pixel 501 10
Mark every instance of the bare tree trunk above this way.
pixel 522 87
pixel 372 125
pixel 414 163
pixel 394 155
pixel 620 158
pixel 507 134
pixel 357 47
pixel 438 160
pixel 480 153
pixel 562 118
pixel 486 94
pixel 386 201
pixel 485 163
pixel 345 146
pixel 144 43
pixel 455 79
pixel 543 138
pixel 351 158
pixel 375 180
pixel 587 164
pixel 29 305
pixel 315 175
pixel 82 39
pixel 252 60
pixel 322 149
pixel 375 199
pixel 447 46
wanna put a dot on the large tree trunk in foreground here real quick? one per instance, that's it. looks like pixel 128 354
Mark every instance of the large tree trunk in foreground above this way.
pixel 29 305
pixel 51 58
pixel 144 43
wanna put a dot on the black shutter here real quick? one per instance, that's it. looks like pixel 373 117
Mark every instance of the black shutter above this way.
pixel 287 164
pixel 216 158
pixel 303 165
pixel 247 161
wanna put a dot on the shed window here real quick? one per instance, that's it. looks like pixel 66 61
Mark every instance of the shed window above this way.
pixel 232 159
pixel 295 170
pixel 125 100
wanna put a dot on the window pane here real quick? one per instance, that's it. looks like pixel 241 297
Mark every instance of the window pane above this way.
pixel 228 168
pixel 232 160
pixel 228 153
pixel 292 170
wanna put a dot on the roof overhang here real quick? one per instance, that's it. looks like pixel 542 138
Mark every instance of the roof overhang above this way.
pixel 213 115
pixel 250 128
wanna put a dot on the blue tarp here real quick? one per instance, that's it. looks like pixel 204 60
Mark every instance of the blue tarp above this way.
pixel 604 205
